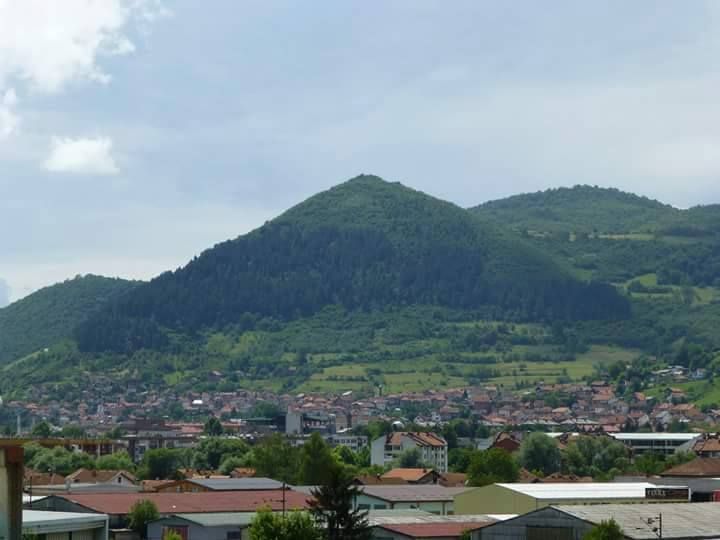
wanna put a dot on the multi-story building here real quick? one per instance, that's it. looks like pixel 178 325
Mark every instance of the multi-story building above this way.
pixel 433 448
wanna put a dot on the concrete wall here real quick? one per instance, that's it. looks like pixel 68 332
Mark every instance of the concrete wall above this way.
pixel 493 499
pixel 548 520
pixel 195 532
pixel 368 502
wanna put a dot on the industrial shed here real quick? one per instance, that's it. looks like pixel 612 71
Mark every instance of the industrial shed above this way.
pixel 670 521
pixel 523 498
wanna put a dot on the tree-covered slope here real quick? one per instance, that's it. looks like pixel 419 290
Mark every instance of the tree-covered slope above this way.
pixel 43 318
pixel 580 209
pixel 364 244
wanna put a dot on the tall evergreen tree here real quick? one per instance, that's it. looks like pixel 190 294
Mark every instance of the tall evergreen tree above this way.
pixel 332 508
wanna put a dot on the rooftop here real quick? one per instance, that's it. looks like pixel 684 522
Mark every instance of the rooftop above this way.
pixel 409 475
pixel 237 484
pixel 36 522
pixel 655 436
pixel 434 530
pixel 582 490
pixel 680 520
pixel 699 467
pixel 412 493
pixel 175 503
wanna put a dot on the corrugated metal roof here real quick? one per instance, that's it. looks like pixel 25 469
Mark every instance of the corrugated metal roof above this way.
pixel 188 503
pixel 680 520
pixel 582 490
pixel 434 530
pixel 45 522
pixel 237 484
pixel 220 519
pixel 413 493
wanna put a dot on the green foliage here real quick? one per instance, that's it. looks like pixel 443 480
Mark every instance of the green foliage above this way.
pixel 60 461
pixel 293 526
pixel 273 457
pixel 492 466
pixel 230 463
pixel 601 457
pixel 115 462
pixel 51 314
pixel 160 464
pixel 212 451
pixel 606 530
pixel 316 461
pixel 538 452
pixel 172 535
pixel 411 459
pixel 41 430
pixel 332 508
pixel 213 427
pixel 141 513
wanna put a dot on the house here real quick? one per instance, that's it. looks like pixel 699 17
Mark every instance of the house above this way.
pixel 522 498
pixel 506 441
pixel 708 445
pixel 637 521
pixel 433 448
pixel 413 476
pixel 701 467
pixel 92 476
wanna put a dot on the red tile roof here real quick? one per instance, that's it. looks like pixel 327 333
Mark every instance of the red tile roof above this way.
pixel 179 503
pixel 421 439
pixel 700 467
pixel 434 530
pixel 409 475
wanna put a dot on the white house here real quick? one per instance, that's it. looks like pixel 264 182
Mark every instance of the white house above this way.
pixel 433 448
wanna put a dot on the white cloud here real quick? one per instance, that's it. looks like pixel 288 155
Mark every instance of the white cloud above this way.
pixel 45 45
pixel 81 156
pixel 8 119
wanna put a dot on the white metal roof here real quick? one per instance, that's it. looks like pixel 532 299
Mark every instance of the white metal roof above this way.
pixel 45 522
pixel 655 436
pixel 582 490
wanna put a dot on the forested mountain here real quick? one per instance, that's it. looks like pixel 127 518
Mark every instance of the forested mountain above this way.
pixel 365 244
pixel 612 236
pixel 579 209
pixel 43 318
pixel 372 283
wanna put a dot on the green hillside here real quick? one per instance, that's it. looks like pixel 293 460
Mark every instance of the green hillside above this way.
pixel 579 209
pixel 612 236
pixel 372 283
pixel 365 244
pixel 45 317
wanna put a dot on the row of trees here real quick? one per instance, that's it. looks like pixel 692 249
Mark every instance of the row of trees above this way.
pixel 601 458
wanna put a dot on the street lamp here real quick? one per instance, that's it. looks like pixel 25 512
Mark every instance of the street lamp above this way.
pixel 655 524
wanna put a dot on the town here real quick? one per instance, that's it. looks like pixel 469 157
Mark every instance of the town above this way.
pixel 476 462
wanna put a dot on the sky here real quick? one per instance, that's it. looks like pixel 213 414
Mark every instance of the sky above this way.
pixel 136 133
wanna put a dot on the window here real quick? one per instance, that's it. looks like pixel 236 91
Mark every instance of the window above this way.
pixel 380 507
pixel 549 533
pixel 234 535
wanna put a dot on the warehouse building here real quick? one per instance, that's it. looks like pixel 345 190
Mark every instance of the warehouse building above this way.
pixel 523 498
pixel 670 521
pixel 64 525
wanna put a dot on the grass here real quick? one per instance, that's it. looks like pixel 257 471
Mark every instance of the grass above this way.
pixel 431 372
